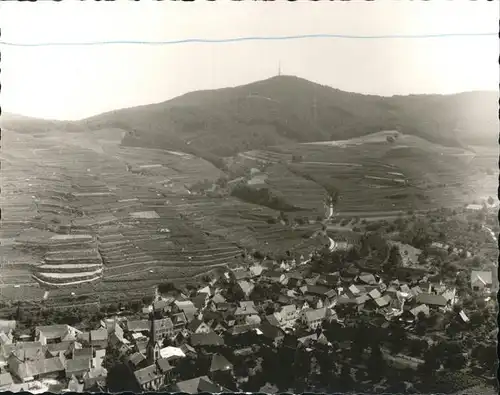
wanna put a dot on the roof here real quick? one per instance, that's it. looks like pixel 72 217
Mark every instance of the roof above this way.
pixel 77 365
pixel 383 301
pixel 163 365
pixel 431 299
pixel 421 308
pixel 41 366
pixel 206 339
pixel 24 350
pixel 367 278
pixel 317 314
pixel 55 331
pixel 82 353
pixel 7 325
pixel 240 274
pixel 99 335
pixel 136 358
pixel 198 384
pixel 484 276
pixel 199 300
pixel 138 325
pixel 170 352
pixel 246 286
pixel 220 363
pixel 270 331
pixel 375 294
pixel 246 308
pixel 146 375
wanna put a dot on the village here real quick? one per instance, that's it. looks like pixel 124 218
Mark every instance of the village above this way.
pixel 338 318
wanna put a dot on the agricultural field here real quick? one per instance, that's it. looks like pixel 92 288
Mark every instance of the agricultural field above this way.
pixel 87 221
pixel 374 175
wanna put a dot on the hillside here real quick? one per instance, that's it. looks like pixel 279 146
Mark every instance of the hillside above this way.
pixel 287 109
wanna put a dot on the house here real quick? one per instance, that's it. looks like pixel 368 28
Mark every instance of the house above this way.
pixel 367 278
pixel 197 385
pixel 219 363
pixel 270 332
pixel 315 290
pixel 179 321
pixel 138 326
pixel 163 328
pixel 206 339
pixel 172 354
pixel 78 367
pixel 55 333
pixel 136 361
pixel 474 207
pixel 241 274
pixel 288 314
pixel 35 369
pixel 187 307
pixel 149 378
pixel 198 326
pixel 420 309
pixel 481 280
pixel 431 300
pixel 99 338
pixel 272 276
pixel 246 286
pixel 314 318
pixel 245 309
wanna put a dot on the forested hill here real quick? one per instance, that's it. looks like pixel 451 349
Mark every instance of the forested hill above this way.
pixel 286 109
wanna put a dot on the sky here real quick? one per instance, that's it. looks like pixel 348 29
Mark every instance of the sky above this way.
pixel 75 82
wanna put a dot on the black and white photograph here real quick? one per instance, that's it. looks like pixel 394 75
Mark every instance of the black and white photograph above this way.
pixel 249 196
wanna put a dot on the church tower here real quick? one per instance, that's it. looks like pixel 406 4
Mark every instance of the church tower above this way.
pixel 153 348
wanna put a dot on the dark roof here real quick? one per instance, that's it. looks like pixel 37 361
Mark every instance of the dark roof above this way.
pixel 53 331
pixel 220 363
pixel 163 365
pixel 271 332
pixel 146 374
pixel 431 299
pixel 82 353
pixel 316 289
pixel 195 324
pixel 136 358
pixel 272 320
pixel 206 339
pixel 197 385
pixel 77 365
pixel 138 325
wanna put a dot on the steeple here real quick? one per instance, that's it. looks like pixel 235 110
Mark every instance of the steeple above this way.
pixel 152 349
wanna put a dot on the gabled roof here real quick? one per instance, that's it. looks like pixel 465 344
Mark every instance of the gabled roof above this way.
pixel 136 358
pixel 246 308
pixel 431 299
pixel 146 374
pixel 317 314
pixel 483 276
pixel 420 308
pixel 271 319
pixel 220 363
pixel 65 332
pixel 199 300
pixel 163 365
pixel 206 339
pixel 197 385
pixel 99 335
pixel 171 352
pixel 383 301
pixel 138 325
pixel 77 365
pixel 269 331
pixel 367 278
pixel 374 294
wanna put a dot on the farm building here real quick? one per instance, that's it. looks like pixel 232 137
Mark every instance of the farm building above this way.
pixel 480 280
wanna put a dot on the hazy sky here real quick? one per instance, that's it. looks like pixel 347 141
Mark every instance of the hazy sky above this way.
pixel 75 82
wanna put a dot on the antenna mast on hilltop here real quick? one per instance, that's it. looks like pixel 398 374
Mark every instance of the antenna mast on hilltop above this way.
pixel 279 68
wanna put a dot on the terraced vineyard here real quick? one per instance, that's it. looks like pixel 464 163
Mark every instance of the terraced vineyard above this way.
pixel 107 223
pixel 374 175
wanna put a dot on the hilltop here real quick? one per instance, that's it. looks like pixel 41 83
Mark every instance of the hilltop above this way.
pixel 284 109
pixel 288 109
